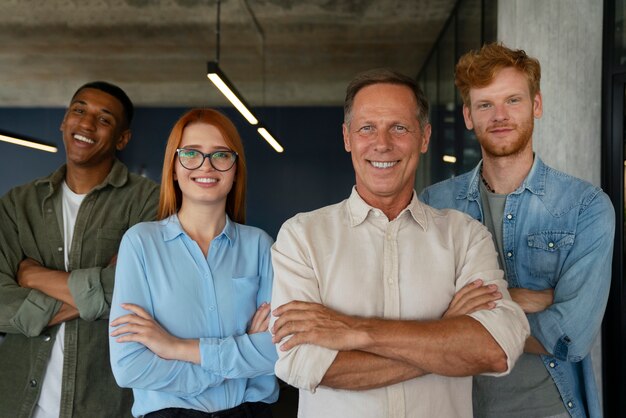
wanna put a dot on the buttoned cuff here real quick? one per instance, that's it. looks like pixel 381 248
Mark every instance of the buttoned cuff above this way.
pixel 545 328
pixel 88 294
pixel 35 313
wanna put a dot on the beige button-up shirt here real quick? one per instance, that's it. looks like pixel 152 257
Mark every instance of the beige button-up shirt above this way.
pixel 351 258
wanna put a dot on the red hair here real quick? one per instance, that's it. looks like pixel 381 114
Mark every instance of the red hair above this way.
pixel 479 67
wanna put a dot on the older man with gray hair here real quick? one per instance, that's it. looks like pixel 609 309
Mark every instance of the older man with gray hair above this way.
pixel 383 305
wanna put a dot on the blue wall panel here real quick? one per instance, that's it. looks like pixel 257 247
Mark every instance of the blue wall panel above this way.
pixel 313 171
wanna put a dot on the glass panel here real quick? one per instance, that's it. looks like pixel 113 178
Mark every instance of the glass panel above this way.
pixel 475 21
pixel 445 128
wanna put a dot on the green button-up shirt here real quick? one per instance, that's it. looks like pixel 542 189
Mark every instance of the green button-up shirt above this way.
pixel 31 226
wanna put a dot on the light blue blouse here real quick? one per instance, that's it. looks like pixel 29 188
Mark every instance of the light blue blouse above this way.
pixel 213 299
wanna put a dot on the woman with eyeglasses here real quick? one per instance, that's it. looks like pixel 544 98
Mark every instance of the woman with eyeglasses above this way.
pixel 190 309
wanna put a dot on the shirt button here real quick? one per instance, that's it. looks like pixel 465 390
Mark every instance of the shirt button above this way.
pixel 550 245
pixel 60 249
pixel 211 308
pixel 509 216
pixel 552 365
pixel 46 338
pixel 570 404
pixel 49 210
pixel 509 254
pixel 33 383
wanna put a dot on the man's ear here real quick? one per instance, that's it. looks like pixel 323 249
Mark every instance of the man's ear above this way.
pixel 346 137
pixel 122 141
pixel 467 117
pixel 538 105
pixel 426 138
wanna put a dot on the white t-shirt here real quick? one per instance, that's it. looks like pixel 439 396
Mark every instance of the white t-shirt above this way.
pixel 49 403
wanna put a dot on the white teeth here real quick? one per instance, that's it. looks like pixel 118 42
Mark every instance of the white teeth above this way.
pixel 205 180
pixel 84 139
pixel 383 164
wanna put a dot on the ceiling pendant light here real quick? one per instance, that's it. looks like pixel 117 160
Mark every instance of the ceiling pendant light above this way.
pixel 14 139
pixel 228 89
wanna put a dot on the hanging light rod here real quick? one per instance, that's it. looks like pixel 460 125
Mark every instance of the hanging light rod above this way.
pixel 223 84
pixel 227 88
pixel 262 130
pixel 13 139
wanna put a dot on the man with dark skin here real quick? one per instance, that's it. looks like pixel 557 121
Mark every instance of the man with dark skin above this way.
pixel 57 262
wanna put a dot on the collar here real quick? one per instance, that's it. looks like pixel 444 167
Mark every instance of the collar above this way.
pixel 118 176
pixel 535 181
pixel 358 209
pixel 172 229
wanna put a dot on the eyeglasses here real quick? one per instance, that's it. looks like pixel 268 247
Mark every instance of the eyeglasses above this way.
pixel 193 159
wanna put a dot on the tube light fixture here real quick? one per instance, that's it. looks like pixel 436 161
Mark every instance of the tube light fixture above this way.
pixel 6 137
pixel 270 139
pixel 227 88
pixel 224 85
pixel 449 159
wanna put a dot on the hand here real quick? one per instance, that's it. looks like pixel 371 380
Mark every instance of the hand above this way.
pixel 25 270
pixel 140 327
pixel 473 297
pixel 532 301
pixel 260 320
pixel 313 323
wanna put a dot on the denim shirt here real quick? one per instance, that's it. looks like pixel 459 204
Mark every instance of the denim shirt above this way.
pixel 563 240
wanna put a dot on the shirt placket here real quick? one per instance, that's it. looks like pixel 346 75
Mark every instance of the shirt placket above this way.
pixel 395 393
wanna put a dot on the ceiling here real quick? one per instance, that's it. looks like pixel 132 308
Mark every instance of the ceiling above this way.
pixel 277 52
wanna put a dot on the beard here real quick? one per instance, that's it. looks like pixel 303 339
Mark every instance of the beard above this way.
pixel 495 147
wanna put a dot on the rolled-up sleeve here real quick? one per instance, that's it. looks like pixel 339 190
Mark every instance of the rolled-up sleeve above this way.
pixel 305 365
pixel 506 323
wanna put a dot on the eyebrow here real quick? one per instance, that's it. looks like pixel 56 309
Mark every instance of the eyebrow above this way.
pixel 84 103
pixel 217 148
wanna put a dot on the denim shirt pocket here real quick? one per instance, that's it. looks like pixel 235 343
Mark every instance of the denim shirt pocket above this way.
pixel 546 252
pixel 245 290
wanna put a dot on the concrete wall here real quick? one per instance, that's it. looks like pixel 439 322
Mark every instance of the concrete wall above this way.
pixel 566 37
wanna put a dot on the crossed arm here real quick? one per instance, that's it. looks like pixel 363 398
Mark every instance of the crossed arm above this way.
pixel 376 353
pixel 32 275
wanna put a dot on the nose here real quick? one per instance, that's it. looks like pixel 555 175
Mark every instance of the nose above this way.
pixel 384 141
pixel 88 122
pixel 206 164
pixel 500 113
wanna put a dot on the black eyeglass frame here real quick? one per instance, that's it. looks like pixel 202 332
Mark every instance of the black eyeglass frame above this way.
pixel 205 156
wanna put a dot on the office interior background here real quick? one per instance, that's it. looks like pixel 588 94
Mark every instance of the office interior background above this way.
pixel 292 61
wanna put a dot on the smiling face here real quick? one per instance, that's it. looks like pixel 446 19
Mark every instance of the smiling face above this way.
pixel 502 114
pixel 93 129
pixel 385 140
pixel 204 185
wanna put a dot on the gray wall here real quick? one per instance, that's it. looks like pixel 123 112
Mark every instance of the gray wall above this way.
pixel 566 37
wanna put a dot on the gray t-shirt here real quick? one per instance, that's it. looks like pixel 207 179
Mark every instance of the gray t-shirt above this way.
pixel 528 391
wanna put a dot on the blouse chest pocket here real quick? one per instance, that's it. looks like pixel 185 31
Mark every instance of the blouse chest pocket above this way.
pixel 245 290
pixel 547 251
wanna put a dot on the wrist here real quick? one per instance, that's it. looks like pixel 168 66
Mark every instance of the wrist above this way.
pixel 363 330
pixel 188 350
